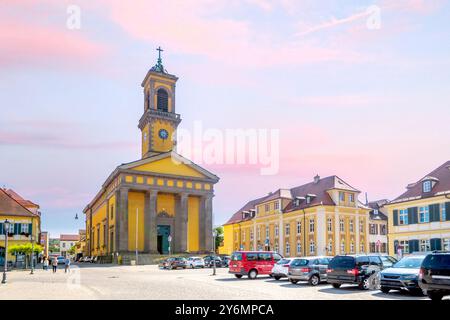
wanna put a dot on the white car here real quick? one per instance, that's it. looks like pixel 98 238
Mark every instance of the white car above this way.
pixel 281 268
pixel 195 262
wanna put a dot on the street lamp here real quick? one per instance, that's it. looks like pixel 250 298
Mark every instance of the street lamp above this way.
pixel 32 249
pixel 214 251
pixel 6 225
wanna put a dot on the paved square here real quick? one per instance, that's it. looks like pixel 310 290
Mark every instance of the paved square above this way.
pixel 91 281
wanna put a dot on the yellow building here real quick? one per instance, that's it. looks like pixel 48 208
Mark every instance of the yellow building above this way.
pixel 161 203
pixel 419 219
pixel 323 217
pixel 25 224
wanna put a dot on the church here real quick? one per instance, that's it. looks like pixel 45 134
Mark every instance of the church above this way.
pixel 161 203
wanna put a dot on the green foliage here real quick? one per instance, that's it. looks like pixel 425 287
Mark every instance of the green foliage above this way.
pixel 26 248
pixel 72 250
pixel 219 237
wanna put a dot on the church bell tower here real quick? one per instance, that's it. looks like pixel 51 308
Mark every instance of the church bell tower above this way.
pixel 159 122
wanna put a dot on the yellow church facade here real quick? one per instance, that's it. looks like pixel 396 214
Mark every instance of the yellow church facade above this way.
pixel 161 203
pixel 323 217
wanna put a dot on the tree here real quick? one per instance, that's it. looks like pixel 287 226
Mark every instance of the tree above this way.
pixel 72 250
pixel 25 249
pixel 219 237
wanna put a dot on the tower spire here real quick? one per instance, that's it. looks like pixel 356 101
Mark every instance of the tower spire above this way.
pixel 158 67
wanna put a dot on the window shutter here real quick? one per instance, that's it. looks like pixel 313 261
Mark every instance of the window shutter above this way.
pixel 30 228
pixel 1 228
pixel 412 215
pixel 395 245
pixel 395 214
pixel 434 212
pixel 447 211
pixel 413 246
pixel 415 214
pixel 435 244
pixel 16 228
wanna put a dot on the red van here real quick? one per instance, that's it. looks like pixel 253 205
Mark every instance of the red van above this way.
pixel 252 263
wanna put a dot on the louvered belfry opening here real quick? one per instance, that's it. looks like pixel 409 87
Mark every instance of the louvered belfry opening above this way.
pixel 162 100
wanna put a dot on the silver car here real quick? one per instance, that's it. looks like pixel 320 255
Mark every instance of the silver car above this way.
pixel 310 269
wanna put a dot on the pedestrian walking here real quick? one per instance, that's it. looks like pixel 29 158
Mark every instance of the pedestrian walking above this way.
pixel 46 264
pixel 67 265
pixel 55 264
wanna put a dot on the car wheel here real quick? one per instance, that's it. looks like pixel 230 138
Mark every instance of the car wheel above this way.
pixel 435 296
pixel 238 276
pixel 277 277
pixel 365 284
pixel 293 281
pixel 385 290
pixel 314 280
pixel 252 274
pixel 336 285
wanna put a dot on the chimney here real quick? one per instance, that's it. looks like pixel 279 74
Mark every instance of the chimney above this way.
pixel 367 201
pixel 316 178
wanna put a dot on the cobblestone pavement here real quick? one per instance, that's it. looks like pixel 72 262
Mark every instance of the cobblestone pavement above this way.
pixel 90 281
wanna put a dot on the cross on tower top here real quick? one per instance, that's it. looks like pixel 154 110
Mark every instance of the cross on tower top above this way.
pixel 159 53
pixel 159 66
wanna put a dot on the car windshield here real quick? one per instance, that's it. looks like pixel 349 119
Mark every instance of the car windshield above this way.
pixel 300 262
pixel 284 261
pixel 409 262
pixel 236 257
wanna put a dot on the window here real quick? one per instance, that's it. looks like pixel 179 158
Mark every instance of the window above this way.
pixel 373 228
pixel 112 211
pixel 426 186
pixel 342 246
pixel 405 245
pixel 342 196
pixel 361 226
pixel 444 214
pixel 162 100
pixel 299 247
pixel 383 229
pixel 425 245
pixel 276 231
pixel 372 247
pixel 352 247
pixel 264 256
pixel 277 257
pixel 424 214
pixel 63 245
pixel 341 225
pixel 308 199
pixel 311 225
pixel 276 205
pixel 251 235
pixel 276 247
pixel 251 257
pixel 267 232
pixel 243 235
pixel 259 233
pixel 352 197
pixel 299 227
pixel 267 207
pixel 24 228
pixel 288 248
pixel 329 225
pixel 330 246
pixel 351 226
pixel 362 248
pixel 288 228
pixel 311 247
pixel 403 216
pixel 446 244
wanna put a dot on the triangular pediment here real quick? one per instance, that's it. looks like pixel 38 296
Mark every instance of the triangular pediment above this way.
pixel 170 163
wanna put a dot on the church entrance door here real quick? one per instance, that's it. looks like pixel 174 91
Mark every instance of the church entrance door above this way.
pixel 163 239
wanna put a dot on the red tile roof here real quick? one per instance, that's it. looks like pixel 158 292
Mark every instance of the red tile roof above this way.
pixel 69 237
pixel 19 199
pixel 9 206
pixel 414 190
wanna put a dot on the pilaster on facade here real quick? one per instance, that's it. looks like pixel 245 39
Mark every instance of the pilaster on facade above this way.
pixel 337 238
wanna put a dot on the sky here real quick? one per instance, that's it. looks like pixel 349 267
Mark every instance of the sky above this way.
pixel 359 89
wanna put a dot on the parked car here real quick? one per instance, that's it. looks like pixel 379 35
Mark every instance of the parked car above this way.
pixel 353 269
pixel 176 262
pixel 195 262
pixel 162 264
pixel 226 261
pixel 311 269
pixel 61 259
pixel 253 263
pixel 281 268
pixel 87 259
pixel 403 275
pixel 209 261
pixel 388 261
pixel 434 275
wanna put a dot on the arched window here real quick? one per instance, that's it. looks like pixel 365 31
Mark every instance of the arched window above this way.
pixel 162 100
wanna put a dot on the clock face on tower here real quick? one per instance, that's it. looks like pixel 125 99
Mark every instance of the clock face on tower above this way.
pixel 163 134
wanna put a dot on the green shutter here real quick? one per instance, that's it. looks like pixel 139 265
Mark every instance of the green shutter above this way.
pixel 16 228
pixel 447 211
pixel 435 244
pixel 412 215
pixel 395 214
pixel 1 228
pixel 30 228
pixel 434 212
pixel 413 246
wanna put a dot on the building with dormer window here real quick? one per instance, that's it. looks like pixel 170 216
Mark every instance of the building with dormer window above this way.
pixel 322 217
pixel 419 219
